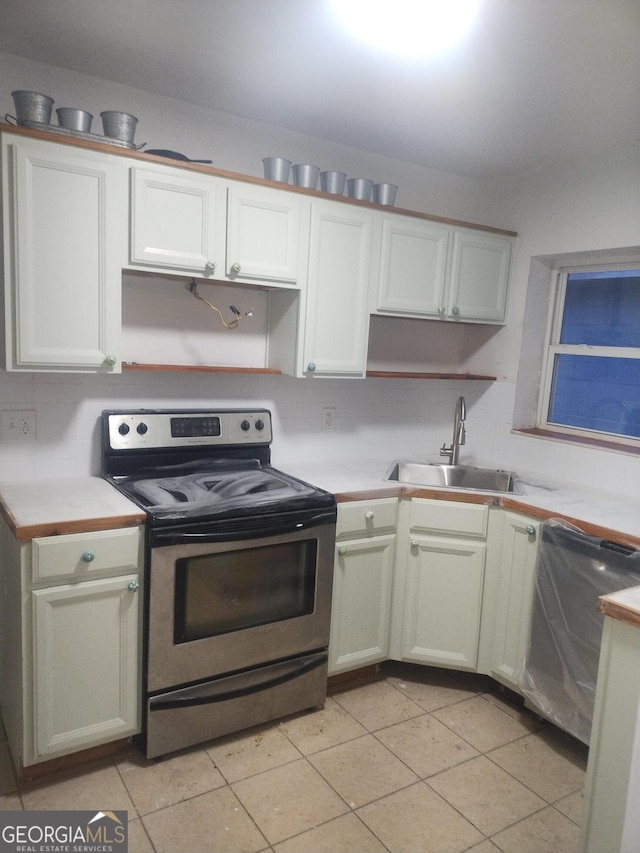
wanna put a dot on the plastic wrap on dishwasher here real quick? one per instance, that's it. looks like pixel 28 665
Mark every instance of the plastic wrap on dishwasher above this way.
pixel 573 570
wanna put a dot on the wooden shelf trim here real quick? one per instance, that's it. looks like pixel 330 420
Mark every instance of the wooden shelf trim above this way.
pixel 373 374
pixel 143 157
pixel 197 368
pixel 401 374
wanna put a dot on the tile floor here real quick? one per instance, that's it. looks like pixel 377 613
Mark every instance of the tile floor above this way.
pixel 417 761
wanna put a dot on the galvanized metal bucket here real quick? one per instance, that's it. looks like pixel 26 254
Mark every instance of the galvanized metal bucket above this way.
pixel 74 119
pixel 332 182
pixel 119 125
pixel 32 106
pixel 359 188
pixel 385 194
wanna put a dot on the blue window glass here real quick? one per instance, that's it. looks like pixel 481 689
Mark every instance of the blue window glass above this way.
pixel 596 393
pixel 602 309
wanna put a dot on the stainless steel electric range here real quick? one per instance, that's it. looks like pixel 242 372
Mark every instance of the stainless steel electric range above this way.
pixel 238 576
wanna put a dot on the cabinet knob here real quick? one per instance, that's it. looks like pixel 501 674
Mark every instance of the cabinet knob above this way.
pixel 235 269
pixel 342 550
pixel 369 515
pixel 133 586
pixel 311 366
pixel 455 310
pixel 531 530
pixel 88 556
pixel 110 360
pixel 442 309
pixel 210 267
pixel 414 543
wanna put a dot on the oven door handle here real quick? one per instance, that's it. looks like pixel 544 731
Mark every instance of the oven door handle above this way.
pixel 236 686
pixel 245 528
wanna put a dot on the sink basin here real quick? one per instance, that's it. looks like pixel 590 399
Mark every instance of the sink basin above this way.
pixel 453 476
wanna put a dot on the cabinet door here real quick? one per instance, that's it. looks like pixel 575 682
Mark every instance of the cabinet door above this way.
pixel 413 267
pixel 443 601
pixel 515 596
pixel 337 315
pixel 263 234
pixel 480 267
pixel 86 663
pixel 62 258
pixel 177 221
pixel 360 612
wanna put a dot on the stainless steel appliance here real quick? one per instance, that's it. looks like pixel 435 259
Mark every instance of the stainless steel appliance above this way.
pixel 561 668
pixel 238 577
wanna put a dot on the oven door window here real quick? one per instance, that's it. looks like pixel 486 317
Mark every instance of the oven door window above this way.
pixel 232 590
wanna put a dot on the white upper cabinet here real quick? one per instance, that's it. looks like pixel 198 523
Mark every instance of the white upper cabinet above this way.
pixel 337 320
pixel 214 228
pixel 480 266
pixel 267 231
pixel 62 209
pixel 434 270
pixel 413 266
pixel 177 220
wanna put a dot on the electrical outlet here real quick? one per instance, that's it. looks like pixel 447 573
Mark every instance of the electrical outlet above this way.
pixel 18 425
pixel 328 418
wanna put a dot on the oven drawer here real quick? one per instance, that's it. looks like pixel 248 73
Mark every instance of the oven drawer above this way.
pixel 83 555
pixel 186 716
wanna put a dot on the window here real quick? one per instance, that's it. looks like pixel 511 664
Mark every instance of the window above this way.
pixel 591 381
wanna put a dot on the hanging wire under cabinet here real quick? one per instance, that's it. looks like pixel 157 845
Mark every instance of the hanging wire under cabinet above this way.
pixel 192 287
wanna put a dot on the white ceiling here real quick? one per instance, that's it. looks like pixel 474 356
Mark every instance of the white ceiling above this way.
pixel 535 79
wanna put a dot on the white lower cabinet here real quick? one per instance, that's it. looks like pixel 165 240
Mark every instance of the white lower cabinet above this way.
pixel 72 681
pixel 509 620
pixel 444 583
pixel 85 675
pixel 362 580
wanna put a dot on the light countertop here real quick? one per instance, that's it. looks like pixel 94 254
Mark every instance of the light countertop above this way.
pixel 50 507
pixel 605 513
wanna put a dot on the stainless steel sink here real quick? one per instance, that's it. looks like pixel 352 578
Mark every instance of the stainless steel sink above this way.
pixel 453 476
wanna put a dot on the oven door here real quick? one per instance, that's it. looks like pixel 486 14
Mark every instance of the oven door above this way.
pixel 220 607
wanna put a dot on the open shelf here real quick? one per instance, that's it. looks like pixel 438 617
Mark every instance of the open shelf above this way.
pixel 197 368
pixel 401 374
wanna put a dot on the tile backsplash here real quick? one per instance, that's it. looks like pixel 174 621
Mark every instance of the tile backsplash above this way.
pixel 376 419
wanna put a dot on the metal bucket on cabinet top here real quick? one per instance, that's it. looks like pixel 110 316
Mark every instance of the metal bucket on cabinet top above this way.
pixel 119 125
pixel 32 106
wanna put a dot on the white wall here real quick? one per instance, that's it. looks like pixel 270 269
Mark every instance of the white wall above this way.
pixel 564 208
pixel 234 143
pixel 374 417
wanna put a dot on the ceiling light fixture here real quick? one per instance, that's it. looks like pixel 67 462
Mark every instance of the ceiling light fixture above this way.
pixel 409 28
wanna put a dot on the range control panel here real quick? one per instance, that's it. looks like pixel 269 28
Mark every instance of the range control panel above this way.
pixel 150 429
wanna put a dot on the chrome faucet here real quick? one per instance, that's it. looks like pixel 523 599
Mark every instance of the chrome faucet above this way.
pixel 459 433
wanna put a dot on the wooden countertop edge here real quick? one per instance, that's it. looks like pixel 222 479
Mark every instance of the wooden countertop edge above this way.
pixel 490 499
pixel 621 612
pixel 25 532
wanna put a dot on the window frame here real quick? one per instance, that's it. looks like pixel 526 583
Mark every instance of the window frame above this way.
pixel 553 347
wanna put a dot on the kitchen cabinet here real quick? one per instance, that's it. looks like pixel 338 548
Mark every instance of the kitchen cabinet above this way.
pixel 334 327
pixel 362 581
pixel 413 267
pixel 516 565
pixel 444 583
pixel 433 270
pixel 479 277
pixel 62 214
pixel 214 228
pixel 73 679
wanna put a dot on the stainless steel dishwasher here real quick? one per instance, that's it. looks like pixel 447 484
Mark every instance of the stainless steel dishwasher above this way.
pixel 561 667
